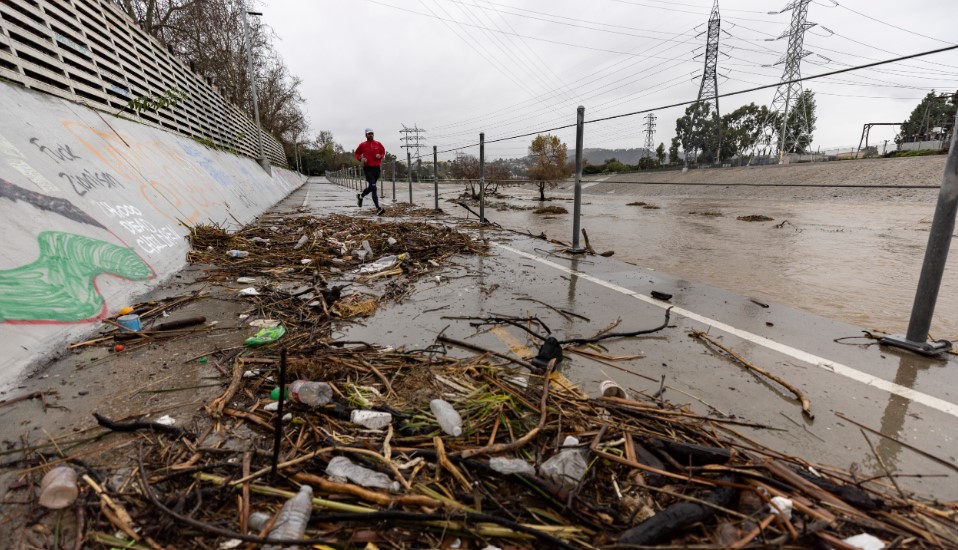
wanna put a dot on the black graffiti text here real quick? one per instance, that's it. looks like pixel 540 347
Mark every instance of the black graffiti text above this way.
pixel 87 181
pixel 62 152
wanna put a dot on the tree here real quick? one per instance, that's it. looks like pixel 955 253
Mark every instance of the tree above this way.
pixel 660 153
pixel 547 156
pixel 935 110
pixel 800 136
pixel 698 131
pixel 745 129
pixel 209 35
pixel 674 151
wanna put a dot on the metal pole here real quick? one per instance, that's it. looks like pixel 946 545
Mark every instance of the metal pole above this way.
pixel 394 180
pixel 482 177
pixel 252 84
pixel 577 205
pixel 435 173
pixel 929 282
pixel 409 173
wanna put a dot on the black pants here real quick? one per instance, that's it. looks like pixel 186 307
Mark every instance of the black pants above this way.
pixel 372 176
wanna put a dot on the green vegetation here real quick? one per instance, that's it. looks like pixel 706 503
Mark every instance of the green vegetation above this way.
pixel 169 98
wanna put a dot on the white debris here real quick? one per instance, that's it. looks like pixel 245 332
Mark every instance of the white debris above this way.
pixel 251 291
pixel 865 541
pixel 166 420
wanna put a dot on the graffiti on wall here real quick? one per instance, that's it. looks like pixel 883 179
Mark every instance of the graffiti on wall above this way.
pixel 47 203
pixel 149 237
pixel 59 286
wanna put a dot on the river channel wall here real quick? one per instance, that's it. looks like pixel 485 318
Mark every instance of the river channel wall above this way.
pixel 93 212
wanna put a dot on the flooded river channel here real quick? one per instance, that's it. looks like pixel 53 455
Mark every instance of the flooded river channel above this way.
pixel 848 260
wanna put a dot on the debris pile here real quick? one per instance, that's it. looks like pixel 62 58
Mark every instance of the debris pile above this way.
pixel 316 441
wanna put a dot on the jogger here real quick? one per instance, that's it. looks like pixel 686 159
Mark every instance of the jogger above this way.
pixel 371 153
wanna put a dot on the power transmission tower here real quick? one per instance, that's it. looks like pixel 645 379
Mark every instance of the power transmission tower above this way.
pixel 788 95
pixel 708 89
pixel 649 133
pixel 412 140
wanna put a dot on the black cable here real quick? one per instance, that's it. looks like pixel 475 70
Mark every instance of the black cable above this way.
pixel 729 94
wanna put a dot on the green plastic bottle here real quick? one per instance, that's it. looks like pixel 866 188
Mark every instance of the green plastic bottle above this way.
pixel 266 336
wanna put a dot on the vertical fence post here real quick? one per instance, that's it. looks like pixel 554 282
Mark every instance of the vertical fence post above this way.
pixel 482 177
pixel 577 205
pixel 929 282
pixel 435 173
pixel 394 180
pixel 409 172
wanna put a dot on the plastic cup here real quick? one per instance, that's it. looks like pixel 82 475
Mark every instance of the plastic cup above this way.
pixel 608 388
pixel 129 322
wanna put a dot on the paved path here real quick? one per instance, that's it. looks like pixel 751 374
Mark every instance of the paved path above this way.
pixel 907 397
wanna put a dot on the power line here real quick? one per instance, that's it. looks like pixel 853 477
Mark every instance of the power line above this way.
pixel 866 16
pixel 728 94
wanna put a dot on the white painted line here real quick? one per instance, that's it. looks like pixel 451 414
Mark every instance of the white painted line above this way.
pixel 307 194
pixel 820 362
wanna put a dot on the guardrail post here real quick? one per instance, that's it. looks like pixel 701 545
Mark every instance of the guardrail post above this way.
pixel 394 180
pixel 435 173
pixel 929 282
pixel 482 177
pixel 409 172
pixel 577 205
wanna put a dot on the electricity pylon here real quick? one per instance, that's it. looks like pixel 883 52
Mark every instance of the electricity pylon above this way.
pixel 650 133
pixel 708 89
pixel 788 95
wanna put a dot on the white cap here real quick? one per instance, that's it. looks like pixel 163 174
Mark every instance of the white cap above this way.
pixel 369 130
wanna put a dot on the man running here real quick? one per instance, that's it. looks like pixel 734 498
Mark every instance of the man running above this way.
pixel 371 153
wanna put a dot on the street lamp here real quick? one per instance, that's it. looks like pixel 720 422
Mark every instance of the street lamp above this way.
pixel 252 82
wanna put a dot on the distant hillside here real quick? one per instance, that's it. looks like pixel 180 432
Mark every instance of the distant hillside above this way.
pixel 625 156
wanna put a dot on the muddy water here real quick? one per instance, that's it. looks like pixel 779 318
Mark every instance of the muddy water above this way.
pixel 856 262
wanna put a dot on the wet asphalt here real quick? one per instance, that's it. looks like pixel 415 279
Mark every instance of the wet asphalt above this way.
pixel 848 379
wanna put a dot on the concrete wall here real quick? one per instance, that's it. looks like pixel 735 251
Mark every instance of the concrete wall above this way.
pixel 90 211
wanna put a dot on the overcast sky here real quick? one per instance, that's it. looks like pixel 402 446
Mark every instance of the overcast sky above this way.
pixel 508 67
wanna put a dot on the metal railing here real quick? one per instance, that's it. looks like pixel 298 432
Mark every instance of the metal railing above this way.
pixel 90 52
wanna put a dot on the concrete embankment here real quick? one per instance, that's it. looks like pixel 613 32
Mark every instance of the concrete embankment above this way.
pixel 94 210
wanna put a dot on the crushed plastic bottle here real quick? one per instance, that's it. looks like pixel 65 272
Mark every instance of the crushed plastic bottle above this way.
pixel 237 253
pixel 374 420
pixel 293 518
pixel 58 488
pixel 301 242
pixel 568 466
pixel 260 240
pixel 266 336
pixel 449 420
pixel 307 392
pixel 505 465
pixel 367 248
pixel 384 263
pixel 341 466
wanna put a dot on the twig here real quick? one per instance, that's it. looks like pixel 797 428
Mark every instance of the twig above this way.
pixel 806 405
pixel 902 443
pixel 215 408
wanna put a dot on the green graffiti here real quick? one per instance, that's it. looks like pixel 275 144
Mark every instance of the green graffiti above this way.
pixel 59 285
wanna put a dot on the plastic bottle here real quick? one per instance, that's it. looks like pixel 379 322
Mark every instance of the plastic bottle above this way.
pixel 301 242
pixel 384 263
pixel 449 420
pixel 307 392
pixel 341 466
pixel 374 420
pixel 293 518
pixel 237 253
pixel 58 489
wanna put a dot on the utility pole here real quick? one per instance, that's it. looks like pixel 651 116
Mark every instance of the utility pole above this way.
pixel 649 133
pixel 708 89
pixel 252 84
pixel 788 95
pixel 413 140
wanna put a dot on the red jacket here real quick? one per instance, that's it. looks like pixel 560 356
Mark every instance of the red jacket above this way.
pixel 369 149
